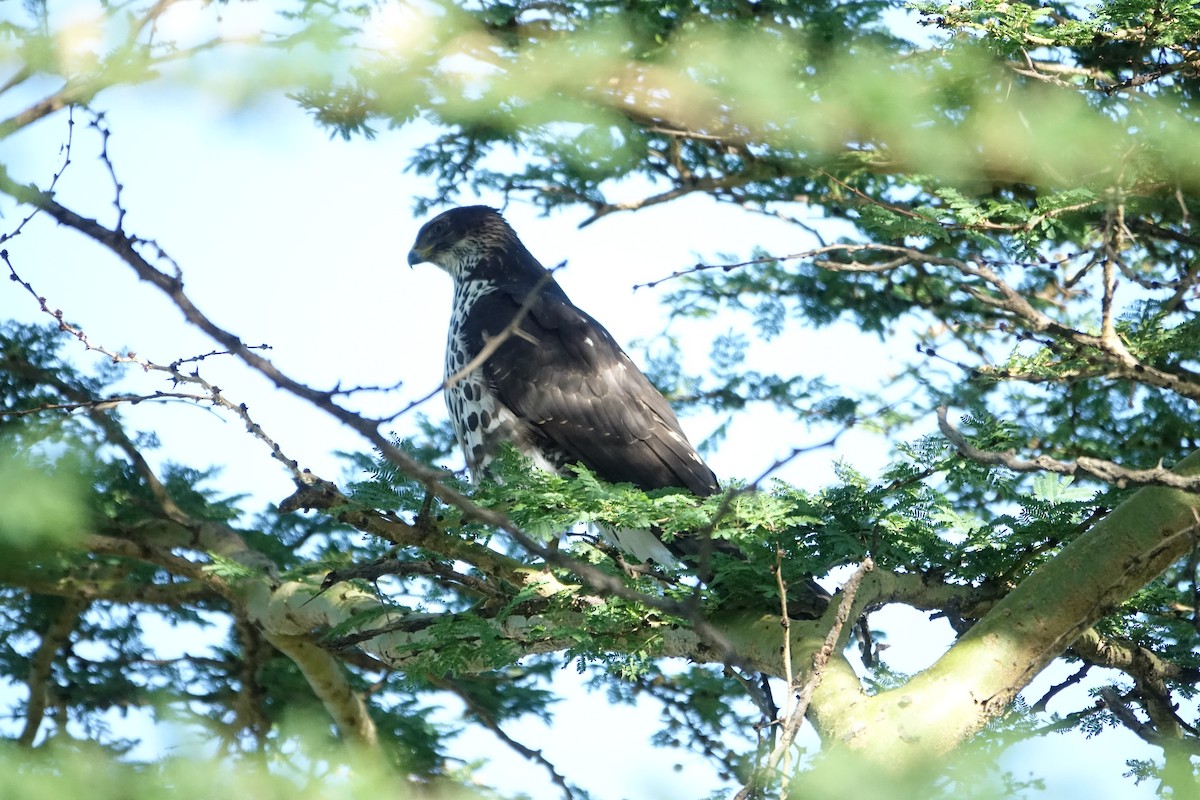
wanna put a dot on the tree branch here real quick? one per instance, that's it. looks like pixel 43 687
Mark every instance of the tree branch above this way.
pixel 485 718
pixel 327 678
pixel 94 582
pixel 980 675
pixel 173 370
pixel 1144 730
pixel 1107 471
pixel 125 247
pixel 820 660
pixel 1139 663
pixel 41 663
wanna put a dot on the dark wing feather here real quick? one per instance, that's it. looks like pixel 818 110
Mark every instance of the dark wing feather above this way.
pixel 566 377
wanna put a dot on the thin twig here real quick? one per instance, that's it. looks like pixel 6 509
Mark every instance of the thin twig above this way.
pixel 490 346
pixel 803 697
pixel 1107 471
pixel 66 162
pixel 1075 678
pixel 485 718
pixel 104 403
pixel 906 254
pixel 785 623
pixel 213 396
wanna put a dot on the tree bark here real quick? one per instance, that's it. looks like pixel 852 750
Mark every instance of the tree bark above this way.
pixel 979 676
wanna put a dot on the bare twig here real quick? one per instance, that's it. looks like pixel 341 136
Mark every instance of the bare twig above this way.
pixel 804 693
pixel 490 346
pixel 786 624
pixel 485 718
pixel 905 255
pixel 1107 471
pixel 66 162
pixel 104 403
pixel 213 396
pixel 1075 678
pixel 101 125
pixel 707 184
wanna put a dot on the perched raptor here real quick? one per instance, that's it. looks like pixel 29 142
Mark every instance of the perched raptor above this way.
pixel 556 384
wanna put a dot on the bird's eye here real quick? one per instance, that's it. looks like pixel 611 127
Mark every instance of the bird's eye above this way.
pixel 439 226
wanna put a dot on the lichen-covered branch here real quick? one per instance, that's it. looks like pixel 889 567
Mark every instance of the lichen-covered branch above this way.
pixel 980 675
pixel 329 682
pixel 1138 662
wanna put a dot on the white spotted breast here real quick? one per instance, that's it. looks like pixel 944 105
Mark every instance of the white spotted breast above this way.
pixel 481 423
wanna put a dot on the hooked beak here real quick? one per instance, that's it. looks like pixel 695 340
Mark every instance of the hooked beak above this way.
pixel 415 257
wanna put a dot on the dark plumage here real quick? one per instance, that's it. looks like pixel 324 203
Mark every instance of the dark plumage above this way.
pixel 559 387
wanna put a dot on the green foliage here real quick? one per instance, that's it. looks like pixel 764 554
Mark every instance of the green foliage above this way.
pixel 902 521
pixel 83 771
pixel 46 501
pixel 307 774
pixel 1005 198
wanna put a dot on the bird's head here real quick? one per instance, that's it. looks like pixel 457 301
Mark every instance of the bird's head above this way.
pixel 458 239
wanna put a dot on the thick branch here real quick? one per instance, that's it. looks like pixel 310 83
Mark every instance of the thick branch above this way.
pixel 100 584
pixel 324 496
pixel 980 675
pixel 40 664
pixel 327 678
pixel 1137 662
pixel 405 640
